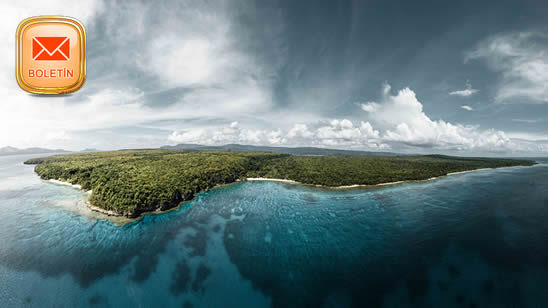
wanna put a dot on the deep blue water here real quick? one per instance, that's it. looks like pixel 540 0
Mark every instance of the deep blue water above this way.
pixel 471 240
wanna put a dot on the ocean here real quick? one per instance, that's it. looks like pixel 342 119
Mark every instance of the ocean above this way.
pixel 477 239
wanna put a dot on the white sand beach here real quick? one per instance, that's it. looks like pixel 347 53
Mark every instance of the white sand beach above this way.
pixel 273 180
pixel 65 183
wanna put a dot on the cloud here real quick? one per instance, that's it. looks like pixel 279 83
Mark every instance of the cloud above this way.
pixel 219 72
pixel 522 60
pixel 137 52
pixel 527 147
pixel 530 121
pixel 37 121
pixel 400 124
pixel 466 92
pixel 219 135
pixel 208 51
pixel 402 119
pixel 190 136
pixel 337 133
pixel 529 136
pixel 466 107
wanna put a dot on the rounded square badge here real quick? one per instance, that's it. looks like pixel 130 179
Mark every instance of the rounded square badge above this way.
pixel 51 55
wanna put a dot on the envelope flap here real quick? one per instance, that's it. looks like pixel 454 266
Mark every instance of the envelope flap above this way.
pixel 51 43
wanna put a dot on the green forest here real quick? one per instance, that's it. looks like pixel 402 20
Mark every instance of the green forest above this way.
pixel 131 182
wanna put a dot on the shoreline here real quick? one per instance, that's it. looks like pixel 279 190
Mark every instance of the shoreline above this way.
pixel 467 171
pixel 342 187
pixel 88 204
pixel 272 180
pixel 319 185
pixel 111 213
pixel 54 181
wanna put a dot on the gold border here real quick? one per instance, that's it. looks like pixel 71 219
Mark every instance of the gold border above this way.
pixel 21 62
pixel 53 19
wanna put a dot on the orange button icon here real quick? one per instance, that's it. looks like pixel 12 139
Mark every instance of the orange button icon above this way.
pixel 51 55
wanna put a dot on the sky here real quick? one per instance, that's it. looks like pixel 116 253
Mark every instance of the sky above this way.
pixel 452 77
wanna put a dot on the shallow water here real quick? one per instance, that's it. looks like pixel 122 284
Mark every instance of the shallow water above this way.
pixel 468 240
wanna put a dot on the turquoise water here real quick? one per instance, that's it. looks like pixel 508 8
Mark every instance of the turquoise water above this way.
pixel 470 240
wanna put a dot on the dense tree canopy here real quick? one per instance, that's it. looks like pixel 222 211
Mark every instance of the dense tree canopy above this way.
pixel 134 181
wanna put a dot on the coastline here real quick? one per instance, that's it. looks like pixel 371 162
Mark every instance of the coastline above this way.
pixel 102 211
pixel 467 171
pixel 322 186
pixel 462 172
pixel 376 185
pixel 89 192
pixel 77 186
pixel 272 180
pixel 111 213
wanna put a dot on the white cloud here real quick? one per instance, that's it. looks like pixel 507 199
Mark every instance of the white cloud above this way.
pixel 275 137
pixel 180 62
pixel 338 133
pixel 36 121
pixel 219 135
pixel 179 44
pixel 466 107
pixel 195 45
pixel 526 147
pixel 466 92
pixel 190 48
pixel 522 60
pixel 299 130
pixel 529 136
pixel 31 119
pixel 370 107
pixel 529 121
pixel 190 136
pixel 400 125
pixel 403 120
pixel 202 49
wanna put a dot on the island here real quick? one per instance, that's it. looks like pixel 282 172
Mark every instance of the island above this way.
pixel 133 182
